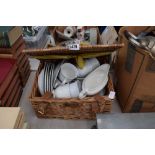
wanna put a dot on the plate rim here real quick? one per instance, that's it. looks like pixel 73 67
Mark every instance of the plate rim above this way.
pixel 47 76
pixel 42 83
pixel 50 76
pixel 44 77
pixel 55 77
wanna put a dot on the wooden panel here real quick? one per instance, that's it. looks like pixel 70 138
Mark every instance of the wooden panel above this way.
pixel 9 117
pixel 13 94
pixel 10 89
pixel 16 100
pixel 10 76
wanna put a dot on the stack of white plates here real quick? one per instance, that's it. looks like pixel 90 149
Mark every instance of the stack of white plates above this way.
pixel 48 76
pixel 45 79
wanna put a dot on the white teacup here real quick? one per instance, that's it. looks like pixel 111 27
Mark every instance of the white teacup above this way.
pixel 62 92
pixel 68 90
pixel 75 88
pixel 90 65
pixel 68 72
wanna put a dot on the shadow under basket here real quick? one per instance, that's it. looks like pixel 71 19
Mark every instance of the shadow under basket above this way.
pixel 70 108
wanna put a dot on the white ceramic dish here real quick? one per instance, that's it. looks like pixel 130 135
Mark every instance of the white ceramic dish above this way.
pixel 68 72
pixel 90 65
pixel 62 91
pixel 95 81
pixel 56 72
pixel 41 82
pixel 71 90
pixel 48 79
pixel 51 78
pixel 45 68
pixel 75 88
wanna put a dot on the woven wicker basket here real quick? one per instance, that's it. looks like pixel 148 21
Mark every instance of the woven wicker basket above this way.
pixel 72 108
pixel 57 50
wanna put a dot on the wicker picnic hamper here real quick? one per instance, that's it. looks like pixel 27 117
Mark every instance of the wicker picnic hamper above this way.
pixel 73 108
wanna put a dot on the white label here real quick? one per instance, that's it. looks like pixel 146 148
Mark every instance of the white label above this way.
pixel 74 47
pixel 111 95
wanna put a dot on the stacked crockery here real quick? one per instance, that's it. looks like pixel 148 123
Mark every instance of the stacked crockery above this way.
pixel 65 80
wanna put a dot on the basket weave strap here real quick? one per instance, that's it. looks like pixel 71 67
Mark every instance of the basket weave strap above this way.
pixel 42 107
pixel 100 101
pixel 95 105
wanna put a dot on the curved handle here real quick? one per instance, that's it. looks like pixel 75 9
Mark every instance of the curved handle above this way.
pixel 82 94
pixel 129 35
pixel 64 82
pixel 134 40
pixel 53 92
pixel 57 84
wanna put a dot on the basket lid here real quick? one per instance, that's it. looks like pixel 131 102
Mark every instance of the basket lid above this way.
pixel 84 49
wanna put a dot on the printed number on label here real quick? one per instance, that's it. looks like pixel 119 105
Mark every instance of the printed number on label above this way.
pixel 74 47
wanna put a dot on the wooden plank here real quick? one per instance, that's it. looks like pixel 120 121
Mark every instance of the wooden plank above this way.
pixel 13 94
pixel 9 78
pixel 9 117
pixel 10 89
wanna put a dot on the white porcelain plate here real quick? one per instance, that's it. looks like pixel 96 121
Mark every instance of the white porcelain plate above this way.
pixel 46 70
pixel 56 72
pixel 41 82
pixel 51 77
pixel 48 77
pixel 44 77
